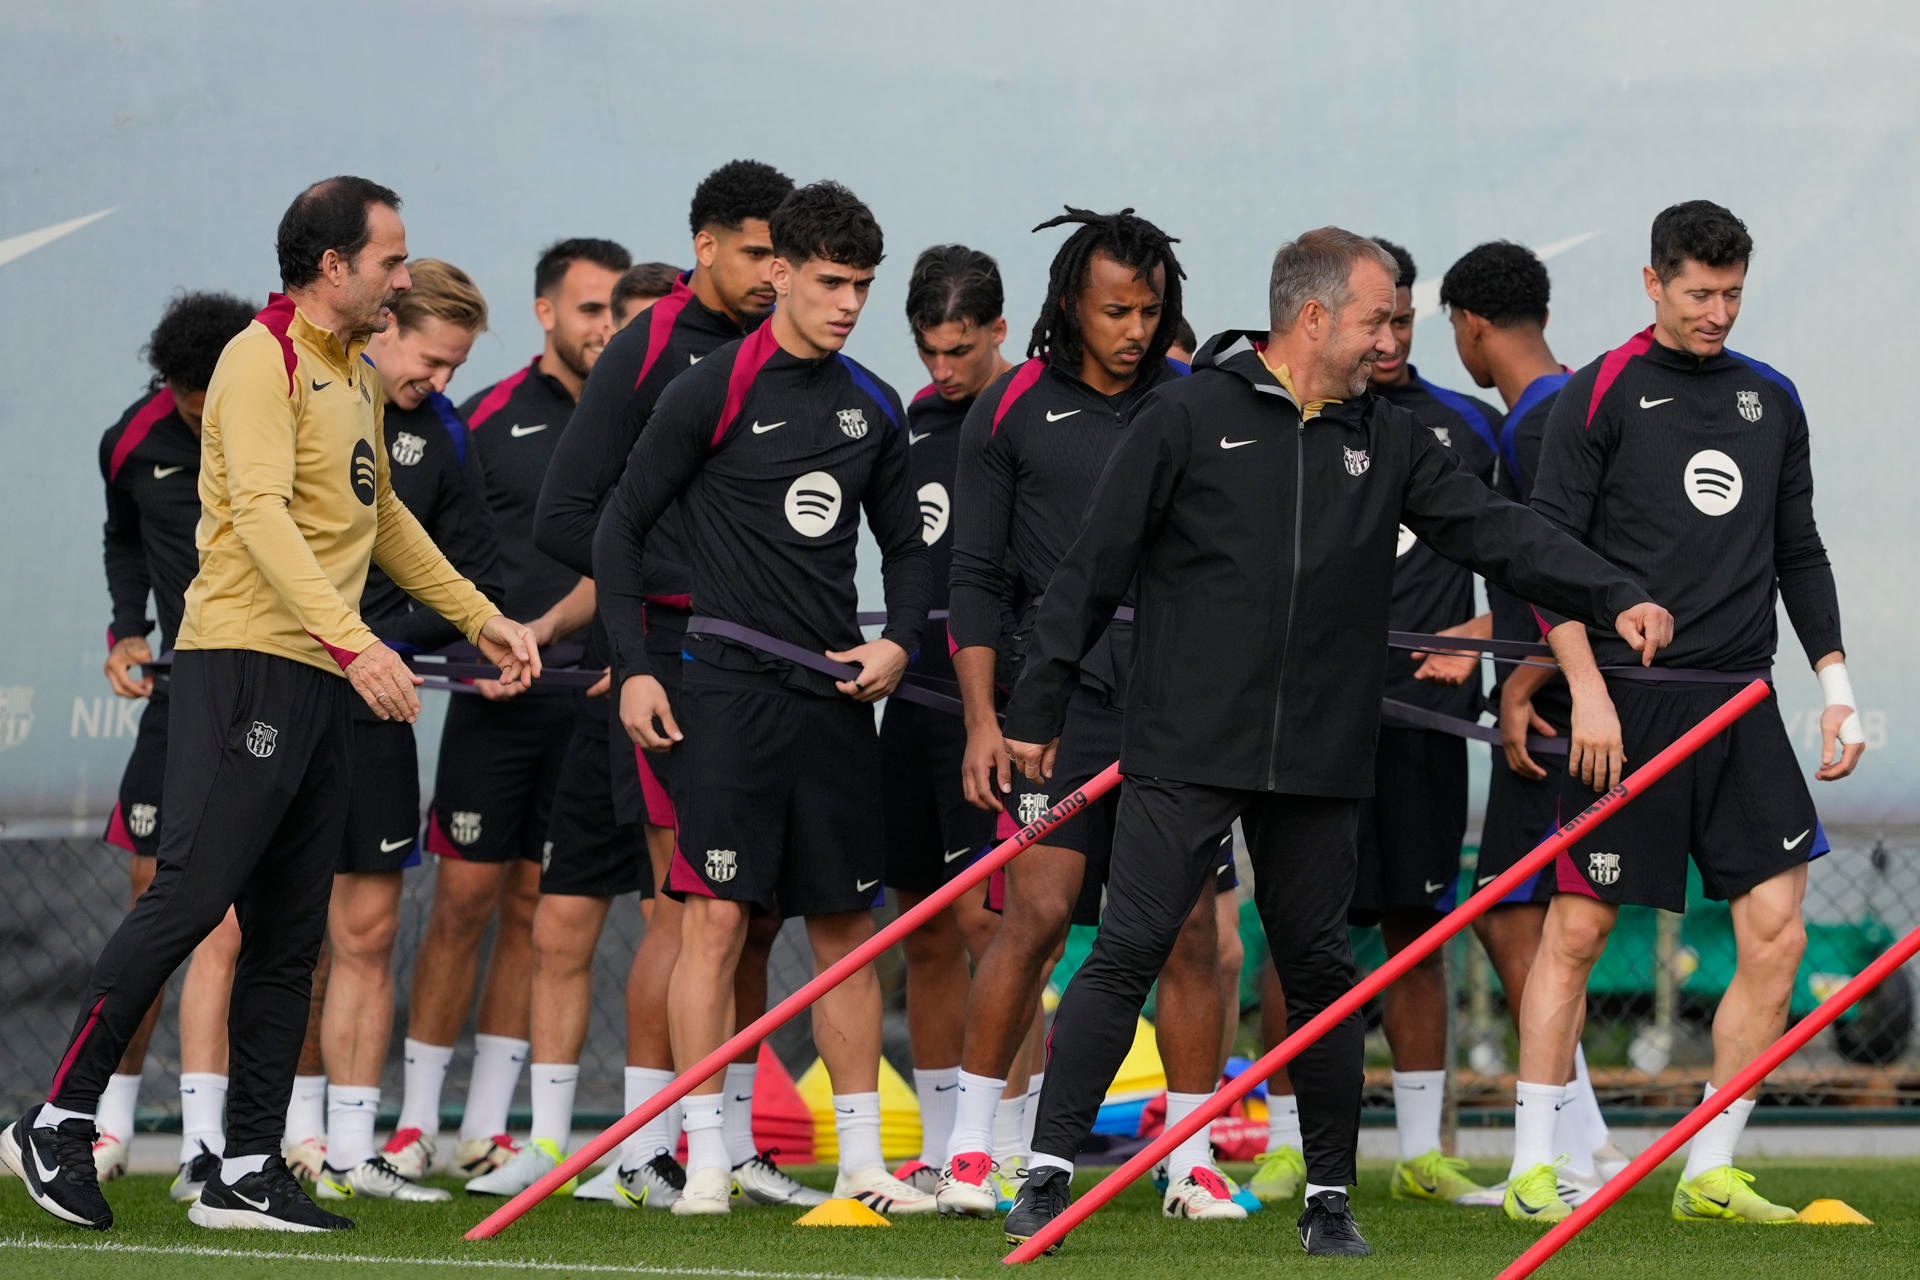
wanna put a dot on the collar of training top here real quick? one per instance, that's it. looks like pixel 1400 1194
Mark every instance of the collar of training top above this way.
pixel 1237 352
pixel 340 353
pixel 1659 353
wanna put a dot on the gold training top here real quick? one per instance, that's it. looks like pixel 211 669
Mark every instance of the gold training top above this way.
pixel 295 499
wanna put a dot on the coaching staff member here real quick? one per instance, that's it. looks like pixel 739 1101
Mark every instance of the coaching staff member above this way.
pixel 296 501
pixel 1259 502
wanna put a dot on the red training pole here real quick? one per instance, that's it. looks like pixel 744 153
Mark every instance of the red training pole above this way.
pixel 1459 918
pixel 1696 1120
pixel 774 1018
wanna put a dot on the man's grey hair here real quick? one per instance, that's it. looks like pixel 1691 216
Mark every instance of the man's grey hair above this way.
pixel 1316 267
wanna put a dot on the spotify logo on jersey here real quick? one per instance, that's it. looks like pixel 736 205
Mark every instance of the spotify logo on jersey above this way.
pixel 1713 482
pixel 365 475
pixel 934 510
pixel 813 504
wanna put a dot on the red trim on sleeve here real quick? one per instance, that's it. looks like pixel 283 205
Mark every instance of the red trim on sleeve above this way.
pixel 158 406
pixel 1023 378
pixel 1612 363
pixel 342 656
pixel 501 392
pixel 923 393
pixel 661 317
pixel 682 603
pixel 277 318
pixel 755 351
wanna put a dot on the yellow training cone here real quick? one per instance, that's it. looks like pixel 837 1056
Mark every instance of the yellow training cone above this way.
pixel 1834 1213
pixel 841 1213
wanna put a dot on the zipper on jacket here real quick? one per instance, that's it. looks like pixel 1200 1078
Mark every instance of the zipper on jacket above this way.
pixel 1293 591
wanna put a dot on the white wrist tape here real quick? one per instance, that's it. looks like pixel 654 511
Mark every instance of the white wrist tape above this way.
pixel 1837 687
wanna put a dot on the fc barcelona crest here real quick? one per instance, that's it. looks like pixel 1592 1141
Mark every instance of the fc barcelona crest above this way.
pixel 464 826
pixel 722 865
pixel 853 423
pixel 261 737
pixel 1357 461
pixel 407 448
pixel 1748 402
pixel 1033 807
pixel 142 819
pixel 1603 868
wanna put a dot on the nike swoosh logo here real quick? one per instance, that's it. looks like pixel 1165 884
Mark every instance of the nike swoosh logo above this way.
pixel 1234 444
pixel 1525 1208
pixel 861 886
pixel 760 430
pixel 261 1205
pixel 915 437
pixel 1484 881
pixel 1654 404
pixel 1435 887
pixel 846 1111
pixel 25 243
pixel 46 1174
pixel 1789 844
pixel 322 386
pixel 161 473
pixel 389 846
pixel 943 1088
pixel 958 853
pixel 516 431
pixel 1055 417
pixel 743 1097
pixel 692 360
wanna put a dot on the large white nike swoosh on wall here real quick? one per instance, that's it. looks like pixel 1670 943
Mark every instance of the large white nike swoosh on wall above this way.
pixel 21 245
pixel 1426 292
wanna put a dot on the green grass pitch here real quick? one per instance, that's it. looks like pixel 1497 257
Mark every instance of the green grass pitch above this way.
pixel 1636 1239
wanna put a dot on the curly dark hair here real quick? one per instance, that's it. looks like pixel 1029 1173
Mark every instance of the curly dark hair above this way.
pixel 825 220
pixel 1129 240
pixel 952 282
pixel 192 333
pixel 1500 281
pixel 1699 230
pixel 330 214
pixel 736 191
pixel 1405 273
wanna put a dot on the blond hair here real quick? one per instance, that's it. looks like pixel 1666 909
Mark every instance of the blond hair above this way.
pixel 444 292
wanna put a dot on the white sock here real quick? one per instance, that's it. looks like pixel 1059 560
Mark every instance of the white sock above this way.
pixel 979 1097
pixel 52 1117
pixel 1417 1100
pixel 203 1114
pixel 1536 1114
pixel 1314 1189
pixel 939 1091
pixel 1030 1112
pixel 656 1135
pixel 1196 1150
pixel 554 1084
pixel 496 1075
pixel 1007 1114
pixel 114 1114
pixel 351 1111
pixel 1570 1134
pixel 234 1168
pixel 706 1145
pixel 1713 1146
pixel 1283 1122
pixel 1040 1160
pixel 426 1077
pixel 737 1125
pixel 1587 1104
pixel 307 1109
pixel 856 1120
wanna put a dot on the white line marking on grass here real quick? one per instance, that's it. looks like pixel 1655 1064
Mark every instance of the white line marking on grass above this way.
pixel 486 1264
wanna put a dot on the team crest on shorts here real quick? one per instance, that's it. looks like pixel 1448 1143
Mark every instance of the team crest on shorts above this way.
pixel 722 865
pixel 1033 806
pixel 407 448
pixel 464 826
pixel 142 819
pixel 1603 868
pixel 1748 402
pixel 853 423
pixel 1357 461
pixel 261 738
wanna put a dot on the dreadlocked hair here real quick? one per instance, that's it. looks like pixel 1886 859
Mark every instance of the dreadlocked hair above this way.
pixel 1129 240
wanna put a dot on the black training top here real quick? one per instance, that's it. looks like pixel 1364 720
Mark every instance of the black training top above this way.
pixel 768 454
pixel 1694 477
pixel 933 458
pixel 516 428
pixel 150 460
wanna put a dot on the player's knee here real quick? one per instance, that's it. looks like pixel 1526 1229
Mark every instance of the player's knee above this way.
pixel 1577 935
pixel 937 942
pixel 367 940
pixel 1775 946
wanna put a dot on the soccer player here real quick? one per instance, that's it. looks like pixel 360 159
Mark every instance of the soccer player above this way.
pixel 1496 298
pixel 297 501
pixel 643 284
pixel 150 461
pixel 506 789
pixel 727 294
pixel 1034 443
pixel 767 446
pixel 1185 343
pixel 955 302
pixel 435 473
pixel 1687 464
pixel 1259 504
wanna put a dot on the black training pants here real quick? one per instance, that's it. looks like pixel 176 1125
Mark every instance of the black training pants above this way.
pixel 257 784
pixel 1303 874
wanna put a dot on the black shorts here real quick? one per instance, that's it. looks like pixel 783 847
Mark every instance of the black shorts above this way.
pixel 588 851
pixel 1521 812
pixel 776 796
pixel 932 833
pixel 383 816
pixel 643 780
pixel 499 766
pixel 135 824
pixel 1740 805
pixel 1410 831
